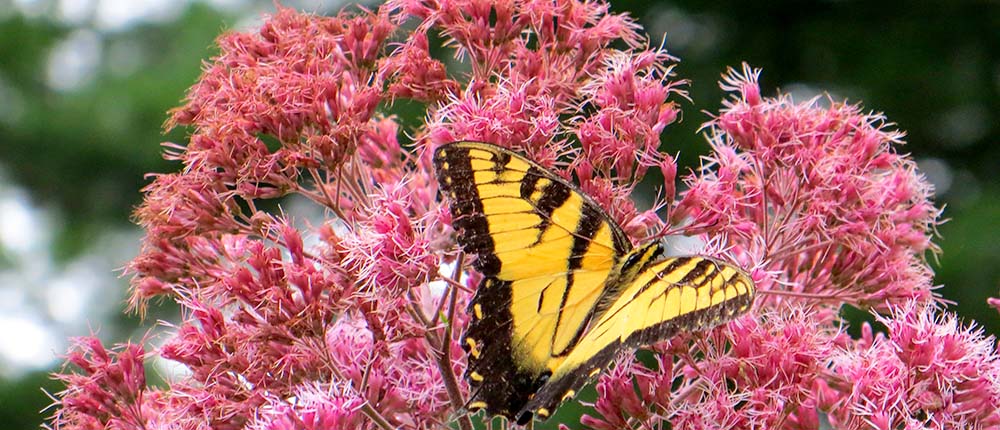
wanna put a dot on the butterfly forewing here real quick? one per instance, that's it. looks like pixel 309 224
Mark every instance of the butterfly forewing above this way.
pixel 545 251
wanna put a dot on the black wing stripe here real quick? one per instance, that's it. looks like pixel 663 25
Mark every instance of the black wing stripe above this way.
pixel 554 195
pixel 667 271
pixel 530 182
pixel 467 213
pixel 590 222
pixel 672 267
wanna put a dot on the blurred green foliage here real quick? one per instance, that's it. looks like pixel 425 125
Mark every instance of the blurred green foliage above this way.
pixel 933 68
pixel 86 150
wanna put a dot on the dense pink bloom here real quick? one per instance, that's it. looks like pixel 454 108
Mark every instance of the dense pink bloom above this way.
pixel 352 319
pixel 108 391
pixel 928 369
pixel 817 195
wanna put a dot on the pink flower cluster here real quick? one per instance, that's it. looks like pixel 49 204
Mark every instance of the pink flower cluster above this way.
pixel 353 320
pixel 926 371
pixel 108 392
pixel 816 194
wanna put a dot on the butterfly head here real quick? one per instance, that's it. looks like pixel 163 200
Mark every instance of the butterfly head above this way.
pixel 639 258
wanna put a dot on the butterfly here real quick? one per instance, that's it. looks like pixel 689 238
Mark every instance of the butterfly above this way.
pixel 563 290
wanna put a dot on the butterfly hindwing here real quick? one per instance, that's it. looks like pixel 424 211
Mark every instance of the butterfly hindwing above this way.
pixel 562 290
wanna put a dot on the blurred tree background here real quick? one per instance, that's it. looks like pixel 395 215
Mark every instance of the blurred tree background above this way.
pixel 85 84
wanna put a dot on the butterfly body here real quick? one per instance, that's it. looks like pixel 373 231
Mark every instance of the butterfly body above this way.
pixel 563 291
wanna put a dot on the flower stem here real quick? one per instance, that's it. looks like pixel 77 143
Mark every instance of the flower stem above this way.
pixel 379 420
pixel 444 359
pixel 442 345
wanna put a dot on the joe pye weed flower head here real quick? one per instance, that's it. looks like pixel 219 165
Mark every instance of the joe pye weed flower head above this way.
pixel 354 321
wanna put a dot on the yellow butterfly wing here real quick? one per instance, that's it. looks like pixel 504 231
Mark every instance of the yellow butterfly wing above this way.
pixel 562 291
pixel 665 297
pixel 545 251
